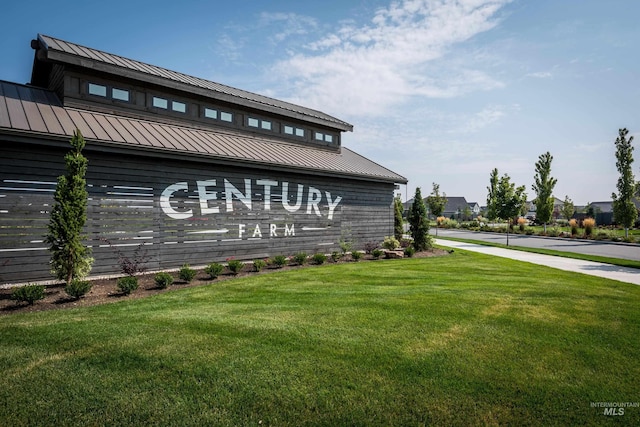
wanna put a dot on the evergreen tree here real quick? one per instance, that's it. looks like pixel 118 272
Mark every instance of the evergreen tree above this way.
pixel 624 210
pixel 419 223
pixel 543 186
pixel 568 208
pixel 398 221
pixel 70 259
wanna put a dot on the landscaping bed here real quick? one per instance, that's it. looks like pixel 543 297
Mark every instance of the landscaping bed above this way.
pixel 105 290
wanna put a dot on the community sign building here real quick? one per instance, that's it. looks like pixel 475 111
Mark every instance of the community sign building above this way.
pixel 182 168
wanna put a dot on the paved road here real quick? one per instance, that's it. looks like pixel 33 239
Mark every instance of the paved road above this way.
pixel 607 249
pixel 622 274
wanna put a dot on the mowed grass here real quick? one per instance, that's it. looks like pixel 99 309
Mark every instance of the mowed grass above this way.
pixel 464 339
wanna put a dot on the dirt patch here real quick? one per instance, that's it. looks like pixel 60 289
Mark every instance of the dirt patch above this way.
pixel 104 291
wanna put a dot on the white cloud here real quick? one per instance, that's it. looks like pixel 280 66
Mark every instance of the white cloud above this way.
pixel 540 75
pixel 366 70
pixel 291 24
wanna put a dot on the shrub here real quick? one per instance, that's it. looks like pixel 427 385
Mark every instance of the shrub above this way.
pixel 405 243
pixel 127 284
pixel 574 226
pixel 300 258
pixel 131 265
pixel 377 253
pixel 449 223
pixel 588 224
pixel 28 293
pixel 356 256
pixel 335 256
pixel 279 261
pixel 319 258
pixel 522 222
pixel 390 243
pixel 214 269
pixel 234 266
pixel 345 245
pixel 440 221
pixel 187 273
pixel 409 251
pixel 77 288
pixel 370 246
pixel 259 264
pixel 163 279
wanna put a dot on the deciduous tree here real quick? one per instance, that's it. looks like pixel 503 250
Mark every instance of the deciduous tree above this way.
pixel 70 258
pixel 568 208
pixel 505 201
pixel 492 189
pixel 543 186
pixel 436 202
pixel 624 210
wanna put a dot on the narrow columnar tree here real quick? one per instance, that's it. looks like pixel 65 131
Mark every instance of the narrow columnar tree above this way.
pixel 624 210
pixel 543 186
pixel 398 222
pixel 568 208
pixel 492 189
pixel 436 202
pixel 70 259
pixel 419 223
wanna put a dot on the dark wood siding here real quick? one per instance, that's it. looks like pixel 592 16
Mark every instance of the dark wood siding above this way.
pixel 125 211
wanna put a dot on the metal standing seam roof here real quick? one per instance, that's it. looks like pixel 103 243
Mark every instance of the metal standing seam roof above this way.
pixel 60 50
pixel 34 111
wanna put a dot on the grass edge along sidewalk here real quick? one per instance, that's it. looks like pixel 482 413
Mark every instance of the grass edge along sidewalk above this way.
pixel 464 339
pixel 585 257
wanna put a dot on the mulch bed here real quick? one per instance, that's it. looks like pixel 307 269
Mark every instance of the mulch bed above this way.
pixel 105 291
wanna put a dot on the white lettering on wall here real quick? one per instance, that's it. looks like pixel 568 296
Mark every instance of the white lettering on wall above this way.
pixel 165 201
pixel 230 190
pixel 205 196
pixel 285 197
pixel 210 204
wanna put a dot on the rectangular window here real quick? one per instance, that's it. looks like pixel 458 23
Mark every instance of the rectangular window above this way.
pixel 180 107
pixel 319 136
pixel 328 138
pixel 288 130
pixel 120 94
pixel 98 90
pixel 252 122
pixel 299 132
pixel 266 125
pixel 210 113
pixel 226 117
pixel 160 102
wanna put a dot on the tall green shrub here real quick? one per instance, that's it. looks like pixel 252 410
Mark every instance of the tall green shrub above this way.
pixel 70 259
pixel 398 221
pixel 419 223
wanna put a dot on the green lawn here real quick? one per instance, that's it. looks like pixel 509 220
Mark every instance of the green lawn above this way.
pixel 465 339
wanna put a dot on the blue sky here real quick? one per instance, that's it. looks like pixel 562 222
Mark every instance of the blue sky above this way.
pixel 438 91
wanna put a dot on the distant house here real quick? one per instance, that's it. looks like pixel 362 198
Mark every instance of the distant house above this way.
pixel 475 208
pixel 457 208
pixel 557 209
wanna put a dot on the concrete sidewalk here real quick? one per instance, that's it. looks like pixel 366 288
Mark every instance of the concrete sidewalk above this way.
pixel 608 271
